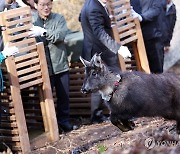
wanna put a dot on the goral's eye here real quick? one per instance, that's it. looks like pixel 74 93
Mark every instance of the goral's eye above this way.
pixel 94 73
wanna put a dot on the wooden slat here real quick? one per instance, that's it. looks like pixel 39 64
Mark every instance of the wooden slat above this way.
pixel 75 70
pixel 17 12
pixel 128 40
pixel 31 76
pixel 18 36
pixel 28 48
pixel 31 83
pixel 76 76
pixel 121 15
pixel 20 28
pixel 12 132
pixel 13 124
pixel 21 20
pixel 86 99
pixel 24 42
pixel 117 3
pixel 27 56
pixel 31 69
pixel 7 138
pixel 81 105
pixel 122 9
pixel 76 82
pixel 126 27
pixel 124 21
pixel 127 33
pixel 27 63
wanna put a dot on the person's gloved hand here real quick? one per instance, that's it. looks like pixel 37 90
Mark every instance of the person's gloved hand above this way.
pixel 124 52
pixel 136 15
pixel 37 31
pixel 9 51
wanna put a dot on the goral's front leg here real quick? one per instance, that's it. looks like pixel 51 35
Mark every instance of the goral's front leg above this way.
pixel 122 125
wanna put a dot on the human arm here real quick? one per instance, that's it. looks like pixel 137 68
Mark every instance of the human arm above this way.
pixel 8 51
pixel 99 26
pixel 54 31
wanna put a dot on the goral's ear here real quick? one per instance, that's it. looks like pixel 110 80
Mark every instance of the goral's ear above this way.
pixel 85 62
pixel 97 61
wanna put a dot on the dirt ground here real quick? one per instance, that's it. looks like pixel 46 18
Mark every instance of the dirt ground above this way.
pixel 151 135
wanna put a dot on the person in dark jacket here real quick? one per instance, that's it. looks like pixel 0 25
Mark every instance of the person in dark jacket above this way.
pixel 170 20
pixel 152 34
pixel 98 38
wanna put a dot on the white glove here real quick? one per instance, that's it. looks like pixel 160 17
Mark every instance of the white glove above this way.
pixel 124 52
pixel 136 15
pixel 37 31
pixel 10 51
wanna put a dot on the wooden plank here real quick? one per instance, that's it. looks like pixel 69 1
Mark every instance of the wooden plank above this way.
pixel 117 3
pixel 86 99
pixel 31 76
pixel 21 20
pixel 28 70
pixel 122 10
pixel 12 132
pixel 7 138
pixel 17 12
pixel 126 27
pixel 12 124
pixel 128 40
pixel 141 49
pixel 31 83
pixel 20 28
pixel 47 92
pixel 76 76
pixel 18 36
pixel 124 21
pixel 24 42
pixel 127 33
pixel 18 106
pixel 28 48
pixel 27 63
pixel 28 55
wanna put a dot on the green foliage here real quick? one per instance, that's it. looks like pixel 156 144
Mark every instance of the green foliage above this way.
pixel 102 148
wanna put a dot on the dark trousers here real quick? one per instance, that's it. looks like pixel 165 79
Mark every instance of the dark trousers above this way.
pixel 61 83
pixel 155 54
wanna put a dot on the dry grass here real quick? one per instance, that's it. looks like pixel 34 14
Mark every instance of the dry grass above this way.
pixel 70 9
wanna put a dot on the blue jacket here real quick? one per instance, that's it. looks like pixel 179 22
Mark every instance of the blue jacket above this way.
pixel 1 77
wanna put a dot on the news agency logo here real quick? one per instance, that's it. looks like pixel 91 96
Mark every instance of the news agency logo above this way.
pixel 151 143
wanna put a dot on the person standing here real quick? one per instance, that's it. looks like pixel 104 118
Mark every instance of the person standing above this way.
pixel 50 28
pixel 148 15
pixel 170 20
pixel 98 38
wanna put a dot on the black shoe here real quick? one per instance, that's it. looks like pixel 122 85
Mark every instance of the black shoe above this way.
pixel 67 127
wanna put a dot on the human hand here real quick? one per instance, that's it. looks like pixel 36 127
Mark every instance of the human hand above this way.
pixel 9 51
pixel 124 52
pixel 136 15
pixel 37 31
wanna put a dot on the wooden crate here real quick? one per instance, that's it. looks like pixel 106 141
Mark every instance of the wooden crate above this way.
pixel 27 98
pixel 79 102
pixel 127 31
